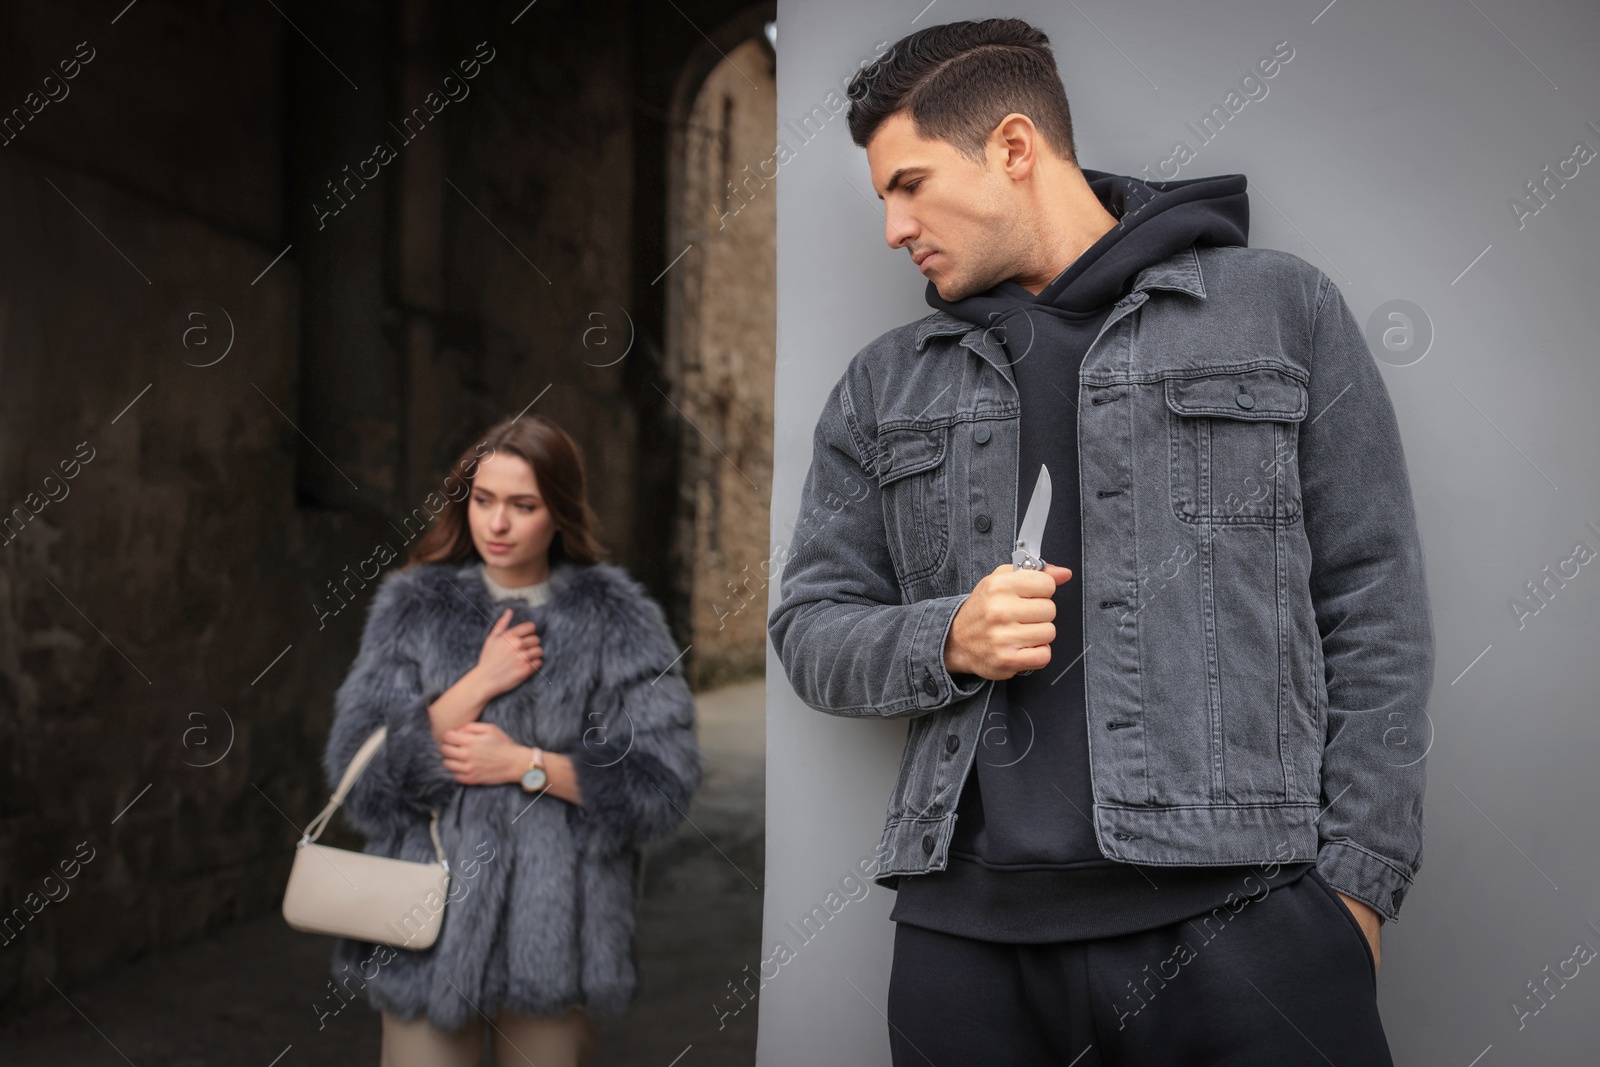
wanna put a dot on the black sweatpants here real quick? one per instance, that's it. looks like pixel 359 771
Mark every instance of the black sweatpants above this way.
pixel 1287 978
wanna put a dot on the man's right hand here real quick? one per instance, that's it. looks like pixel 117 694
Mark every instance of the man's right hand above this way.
pixel 1005 625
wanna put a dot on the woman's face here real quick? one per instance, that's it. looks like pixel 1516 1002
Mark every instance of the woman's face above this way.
pixel 510 525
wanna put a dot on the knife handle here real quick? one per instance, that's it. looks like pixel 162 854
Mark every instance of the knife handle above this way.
pixel 1022 560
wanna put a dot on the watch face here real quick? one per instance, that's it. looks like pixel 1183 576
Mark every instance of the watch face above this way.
pixel 534 779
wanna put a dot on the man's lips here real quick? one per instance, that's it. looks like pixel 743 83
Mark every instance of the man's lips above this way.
pixel 923 259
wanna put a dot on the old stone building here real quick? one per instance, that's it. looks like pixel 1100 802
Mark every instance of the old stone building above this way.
pixel 264 271
pixel 723 321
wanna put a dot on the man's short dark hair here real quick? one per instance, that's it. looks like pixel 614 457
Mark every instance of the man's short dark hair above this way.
pixel 959 79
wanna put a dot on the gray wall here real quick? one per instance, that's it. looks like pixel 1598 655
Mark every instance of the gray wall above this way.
pixel 1389 151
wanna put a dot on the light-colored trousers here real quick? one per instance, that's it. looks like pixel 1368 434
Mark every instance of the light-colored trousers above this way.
pixel 519 1041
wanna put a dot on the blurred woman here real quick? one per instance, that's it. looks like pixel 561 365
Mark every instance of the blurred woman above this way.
pixel 534 698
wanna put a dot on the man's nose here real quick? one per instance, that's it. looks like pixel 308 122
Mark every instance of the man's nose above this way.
pixel 897 229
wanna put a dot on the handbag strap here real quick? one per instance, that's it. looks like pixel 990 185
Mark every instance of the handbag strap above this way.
pixel 358 763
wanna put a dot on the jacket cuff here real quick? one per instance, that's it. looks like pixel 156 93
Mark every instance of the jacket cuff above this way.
pixel 1365 875
pixel 412 755
pixel 932 684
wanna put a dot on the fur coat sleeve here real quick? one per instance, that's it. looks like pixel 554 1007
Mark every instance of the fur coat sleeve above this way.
pixel 637 760
pixel 384 688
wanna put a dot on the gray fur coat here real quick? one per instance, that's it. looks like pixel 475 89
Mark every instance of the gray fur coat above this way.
pixel 540 912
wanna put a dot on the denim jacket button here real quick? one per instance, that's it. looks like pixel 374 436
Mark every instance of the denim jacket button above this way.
pixel 927 843
pixel 981 434
pixel 1245 400
pixel 929 686
pixel 982 523
pixel 952 743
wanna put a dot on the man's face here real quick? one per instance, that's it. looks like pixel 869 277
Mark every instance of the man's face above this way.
pixel 961 221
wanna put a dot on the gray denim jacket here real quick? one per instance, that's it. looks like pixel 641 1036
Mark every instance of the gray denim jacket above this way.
pixel 1260 646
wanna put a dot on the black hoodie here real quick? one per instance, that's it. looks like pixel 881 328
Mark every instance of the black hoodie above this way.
pixel 1024 864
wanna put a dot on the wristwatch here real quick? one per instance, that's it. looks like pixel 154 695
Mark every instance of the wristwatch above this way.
pixel 534 778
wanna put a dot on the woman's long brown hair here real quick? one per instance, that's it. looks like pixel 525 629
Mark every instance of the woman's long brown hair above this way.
pixel 558 469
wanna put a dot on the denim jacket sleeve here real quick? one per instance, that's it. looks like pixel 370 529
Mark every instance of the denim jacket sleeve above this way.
pixel 848 644
pixel 1369 590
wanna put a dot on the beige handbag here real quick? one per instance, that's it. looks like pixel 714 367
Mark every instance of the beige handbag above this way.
pixel 368 898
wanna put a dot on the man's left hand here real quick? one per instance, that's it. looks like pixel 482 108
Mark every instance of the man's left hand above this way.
pixel 1367 916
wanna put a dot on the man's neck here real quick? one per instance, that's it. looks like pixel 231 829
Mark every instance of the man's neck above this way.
pixel 1070 220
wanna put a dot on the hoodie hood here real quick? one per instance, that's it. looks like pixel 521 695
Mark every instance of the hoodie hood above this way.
pixel 1156 220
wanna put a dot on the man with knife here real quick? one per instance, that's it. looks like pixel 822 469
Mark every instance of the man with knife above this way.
pixel 1149 811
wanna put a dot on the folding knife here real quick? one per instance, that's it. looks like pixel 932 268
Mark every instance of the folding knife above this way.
pixel 1030 537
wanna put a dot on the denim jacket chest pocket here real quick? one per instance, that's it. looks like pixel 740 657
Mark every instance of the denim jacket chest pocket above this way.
pixel 1232 446
pixel 913 472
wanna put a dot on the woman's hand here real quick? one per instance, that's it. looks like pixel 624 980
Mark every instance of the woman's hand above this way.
pixel 480 753
pixel 509 655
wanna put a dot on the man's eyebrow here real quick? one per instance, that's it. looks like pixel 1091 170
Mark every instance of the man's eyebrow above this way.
pixel 894 179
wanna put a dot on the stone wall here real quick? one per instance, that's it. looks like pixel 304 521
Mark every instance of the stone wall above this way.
pixel 729 329
pixel 218 395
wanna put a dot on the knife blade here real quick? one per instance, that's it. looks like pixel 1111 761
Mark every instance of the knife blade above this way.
pixel 1030 536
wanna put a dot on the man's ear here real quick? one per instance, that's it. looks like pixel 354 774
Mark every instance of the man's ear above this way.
pixel 1018 142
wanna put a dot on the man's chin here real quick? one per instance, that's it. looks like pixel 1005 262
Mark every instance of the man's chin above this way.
pixel 952 289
